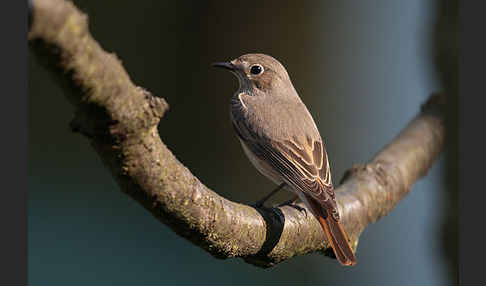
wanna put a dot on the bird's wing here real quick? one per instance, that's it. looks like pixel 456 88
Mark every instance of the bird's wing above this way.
pixel 302 164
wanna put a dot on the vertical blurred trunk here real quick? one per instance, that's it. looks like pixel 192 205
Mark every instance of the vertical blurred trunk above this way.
pixel 446 49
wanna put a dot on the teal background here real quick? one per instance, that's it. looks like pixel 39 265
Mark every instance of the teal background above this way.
pixel 362 67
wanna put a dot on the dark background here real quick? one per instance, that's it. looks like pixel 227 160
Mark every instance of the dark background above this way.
pixel 363 69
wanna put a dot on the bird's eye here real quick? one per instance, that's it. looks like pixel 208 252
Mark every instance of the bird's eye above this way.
pixel 256 69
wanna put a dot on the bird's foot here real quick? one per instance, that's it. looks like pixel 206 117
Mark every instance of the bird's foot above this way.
pixel 291 203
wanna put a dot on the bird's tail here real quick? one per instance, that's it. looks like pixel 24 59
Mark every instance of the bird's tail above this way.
pixel 338 239
pixel 335 234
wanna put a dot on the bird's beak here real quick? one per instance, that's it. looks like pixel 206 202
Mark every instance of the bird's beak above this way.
pixel 225 65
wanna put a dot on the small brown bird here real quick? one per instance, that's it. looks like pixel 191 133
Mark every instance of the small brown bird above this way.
pixel 279 136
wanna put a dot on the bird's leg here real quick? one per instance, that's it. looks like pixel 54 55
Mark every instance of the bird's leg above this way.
pixel 291 203
pixel 260 202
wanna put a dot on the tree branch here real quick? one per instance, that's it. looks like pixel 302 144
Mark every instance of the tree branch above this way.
pixel 120 120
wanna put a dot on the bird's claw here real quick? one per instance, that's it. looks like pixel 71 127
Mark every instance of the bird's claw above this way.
pixel 291 203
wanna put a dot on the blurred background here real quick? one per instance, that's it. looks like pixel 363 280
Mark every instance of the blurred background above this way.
pixel 362 67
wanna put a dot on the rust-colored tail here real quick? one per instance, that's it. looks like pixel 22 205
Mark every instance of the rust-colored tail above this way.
pixel 335 234
pixel 338 239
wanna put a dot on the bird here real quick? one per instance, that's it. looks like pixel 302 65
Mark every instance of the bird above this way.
pixel 281 140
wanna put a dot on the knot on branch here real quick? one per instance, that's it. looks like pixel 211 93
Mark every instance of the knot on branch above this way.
pixel 95 120
pixel 158 105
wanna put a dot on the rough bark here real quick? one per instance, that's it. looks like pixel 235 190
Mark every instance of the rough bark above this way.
pixel 120 120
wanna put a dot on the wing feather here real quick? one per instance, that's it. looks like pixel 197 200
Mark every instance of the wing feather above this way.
pixel 299 159
pixel 303 165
